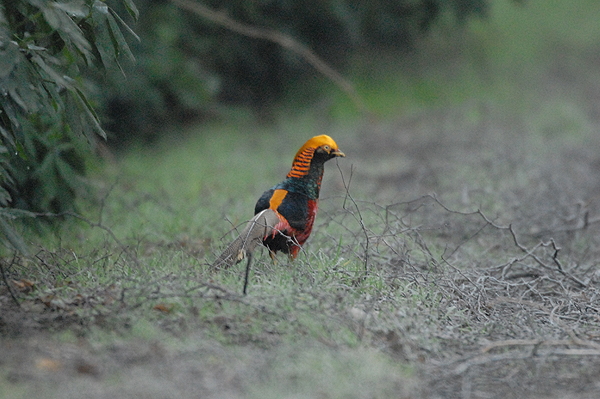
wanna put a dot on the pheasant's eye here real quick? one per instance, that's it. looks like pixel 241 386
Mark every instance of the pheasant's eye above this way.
pixel 326 148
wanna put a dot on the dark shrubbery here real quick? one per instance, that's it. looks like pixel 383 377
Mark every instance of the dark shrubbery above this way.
pixel 189 67
pixel 47 124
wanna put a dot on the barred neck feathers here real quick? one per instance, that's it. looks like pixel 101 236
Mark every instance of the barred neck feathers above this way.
pixel 301 164
pixel 307 173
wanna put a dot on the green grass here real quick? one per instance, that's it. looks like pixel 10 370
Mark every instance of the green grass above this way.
pixel 171 209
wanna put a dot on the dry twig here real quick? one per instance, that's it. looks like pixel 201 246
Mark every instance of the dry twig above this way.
pixel 358 218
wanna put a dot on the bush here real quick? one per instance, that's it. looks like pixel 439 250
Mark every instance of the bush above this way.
pixel 190 68
pixel 47 124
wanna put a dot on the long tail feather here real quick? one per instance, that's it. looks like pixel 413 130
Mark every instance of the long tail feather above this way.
pixel 261 225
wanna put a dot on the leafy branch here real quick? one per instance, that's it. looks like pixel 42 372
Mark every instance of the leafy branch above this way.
pixel 48 125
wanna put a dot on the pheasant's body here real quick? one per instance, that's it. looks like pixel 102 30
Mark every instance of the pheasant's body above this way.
pixel 289 208
pixel 297 214
pixel 296 199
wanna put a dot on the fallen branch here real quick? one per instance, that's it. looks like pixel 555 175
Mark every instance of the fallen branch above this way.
pixel 529 252
pixel 511 356
pixel 536 343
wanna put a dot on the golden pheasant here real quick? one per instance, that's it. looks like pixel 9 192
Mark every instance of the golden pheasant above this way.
pixel 284 215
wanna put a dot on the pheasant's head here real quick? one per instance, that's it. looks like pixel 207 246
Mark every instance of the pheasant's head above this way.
pixel 322 146
pixel 312 155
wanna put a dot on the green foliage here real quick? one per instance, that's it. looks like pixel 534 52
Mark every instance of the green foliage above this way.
pixel 168 83
pixel 190 67
pixel 47 123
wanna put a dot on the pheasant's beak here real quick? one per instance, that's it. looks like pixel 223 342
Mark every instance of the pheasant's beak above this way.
pixel 337 153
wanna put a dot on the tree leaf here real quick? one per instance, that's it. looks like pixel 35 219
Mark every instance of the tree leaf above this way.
pixel 65 26
pixel 4 196
pixel 118 18
pixel 100 6
pixel 52 74
pixel 26 93
pixel 9 57
pixel 11 112
pixel 91 112
pixel 8 138
pixel 17 99
pixel 132 9
pixel 121 44
pixel 73 8
pixel 102 41
pixel 12 237
pixel 73 116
